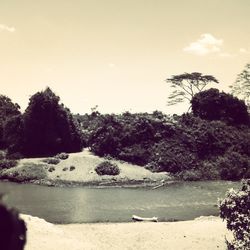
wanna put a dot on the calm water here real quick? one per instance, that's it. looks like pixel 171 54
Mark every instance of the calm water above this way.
pixel 176 201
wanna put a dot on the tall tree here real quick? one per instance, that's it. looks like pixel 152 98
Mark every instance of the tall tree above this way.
pixel 8 110
pixel 241 87
pixel 214 105
pixel 49 127
pixel 186 85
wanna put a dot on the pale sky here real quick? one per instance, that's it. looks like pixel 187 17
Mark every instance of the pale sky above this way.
pixel 117 53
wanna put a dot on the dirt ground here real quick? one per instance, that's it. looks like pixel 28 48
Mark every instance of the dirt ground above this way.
pixel 202 234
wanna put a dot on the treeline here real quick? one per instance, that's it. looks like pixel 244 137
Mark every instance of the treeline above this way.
pixel 211 142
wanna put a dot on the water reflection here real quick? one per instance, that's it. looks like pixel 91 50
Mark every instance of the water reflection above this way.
pixel 177 201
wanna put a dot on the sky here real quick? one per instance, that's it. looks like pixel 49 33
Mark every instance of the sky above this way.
pixel 117 53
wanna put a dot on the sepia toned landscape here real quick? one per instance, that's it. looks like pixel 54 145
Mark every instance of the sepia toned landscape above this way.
pixel 124 125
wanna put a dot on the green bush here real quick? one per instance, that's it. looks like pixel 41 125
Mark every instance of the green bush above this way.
pixel 137 154
pixel 209 170
pixel 51 160
pixel 107 168
pixel 71 168
pixel 116 135
pixel 6 163
pixel 26 172
pixel 171 156
pixel 184 143
pixel 233 166
pixel 235 209
pixel 62 156
pixel 51 169
pixel 152 166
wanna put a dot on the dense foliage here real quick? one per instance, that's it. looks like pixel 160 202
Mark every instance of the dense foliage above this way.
pixel 46 128
pixel 7 163
pixel 201 145
pixel 188 146
pixel 214 105
pixel 49 127
pixel 107 168
pixel 8 111
pixel 235 209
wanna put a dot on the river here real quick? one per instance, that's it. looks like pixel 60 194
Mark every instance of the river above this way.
pixel 175 201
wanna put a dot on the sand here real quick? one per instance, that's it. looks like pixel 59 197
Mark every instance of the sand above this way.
pixel 201 234
pixel 84 171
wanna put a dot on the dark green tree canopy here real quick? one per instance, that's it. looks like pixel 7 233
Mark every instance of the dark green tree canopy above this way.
pixel 49 127
pixel 186 85
pixel 8 110
pixel 214 105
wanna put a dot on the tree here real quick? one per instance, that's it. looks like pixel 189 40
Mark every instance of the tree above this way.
pixel 241 87
pixel 186 85
pixel 49 127
pixel 214 105
pixel 7 110
pixel 13 135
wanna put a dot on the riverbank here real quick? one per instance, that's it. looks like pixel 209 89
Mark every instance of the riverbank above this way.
pixel 79 169
pixel 204 233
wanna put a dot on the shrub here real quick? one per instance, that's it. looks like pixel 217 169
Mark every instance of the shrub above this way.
pixel 51 169
pixel 209 170
pixel 235 209
pixel 65 169
pixel 116 134
pixel 171 156
pixel 5 163
pixel 233 166
pixel 211 138
pixel 71 168
pixel 26 172
pixel 152 166
pixel 137 154
pixel 12 228
pixel 51 160
pixel 62 156
pixel 107 168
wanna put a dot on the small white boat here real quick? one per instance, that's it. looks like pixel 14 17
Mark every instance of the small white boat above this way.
pixel 138 218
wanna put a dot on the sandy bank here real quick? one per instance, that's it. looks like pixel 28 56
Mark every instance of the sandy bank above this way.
pixel 84 164
pixel 202 234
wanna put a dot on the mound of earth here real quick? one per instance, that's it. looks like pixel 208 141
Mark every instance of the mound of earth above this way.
pixel 79 168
